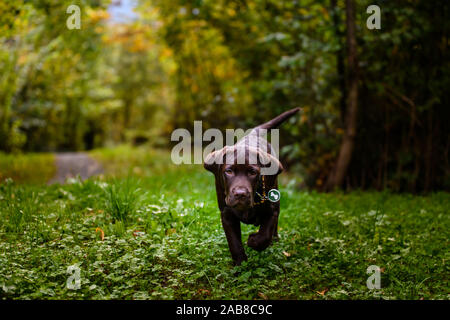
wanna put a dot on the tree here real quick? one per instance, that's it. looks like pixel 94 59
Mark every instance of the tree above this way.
pixel 339 172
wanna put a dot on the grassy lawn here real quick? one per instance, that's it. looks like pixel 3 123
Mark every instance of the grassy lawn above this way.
pixel 32 168
pixel 163 239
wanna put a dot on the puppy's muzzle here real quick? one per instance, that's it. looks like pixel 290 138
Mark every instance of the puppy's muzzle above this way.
pixel 240 196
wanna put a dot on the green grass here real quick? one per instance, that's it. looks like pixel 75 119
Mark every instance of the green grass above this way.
pixel 32 168
pixel 163 239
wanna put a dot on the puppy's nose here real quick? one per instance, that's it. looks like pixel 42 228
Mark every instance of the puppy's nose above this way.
pixel 240 193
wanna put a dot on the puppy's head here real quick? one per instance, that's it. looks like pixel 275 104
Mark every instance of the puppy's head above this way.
pixel 239 170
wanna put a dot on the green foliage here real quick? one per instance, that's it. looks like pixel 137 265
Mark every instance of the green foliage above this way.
pixel 284 56
pixel 35 168
pixel 234 64
pixel 292 53
pixel 64 89
pixel 122 197
pixel 172 245
pixel 20 206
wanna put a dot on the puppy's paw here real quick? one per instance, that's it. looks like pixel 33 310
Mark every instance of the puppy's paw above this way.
pixel 237 261
pixel 257 242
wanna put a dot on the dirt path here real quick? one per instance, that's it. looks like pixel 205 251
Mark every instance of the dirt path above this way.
pixel 71 164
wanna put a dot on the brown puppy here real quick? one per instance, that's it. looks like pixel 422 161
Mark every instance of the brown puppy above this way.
pixel 244 174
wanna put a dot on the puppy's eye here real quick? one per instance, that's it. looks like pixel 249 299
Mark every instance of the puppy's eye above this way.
pixel 252 172
pixel 228 171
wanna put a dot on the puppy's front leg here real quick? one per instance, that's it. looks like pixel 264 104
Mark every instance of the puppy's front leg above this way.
pixel 262 239
pixel 232 227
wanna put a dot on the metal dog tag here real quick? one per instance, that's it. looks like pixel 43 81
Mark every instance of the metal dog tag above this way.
pixel 274 195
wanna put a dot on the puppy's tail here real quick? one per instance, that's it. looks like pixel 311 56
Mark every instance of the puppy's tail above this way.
pixel 275 122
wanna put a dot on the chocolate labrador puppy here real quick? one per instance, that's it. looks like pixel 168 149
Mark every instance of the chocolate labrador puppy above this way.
pixel 247 189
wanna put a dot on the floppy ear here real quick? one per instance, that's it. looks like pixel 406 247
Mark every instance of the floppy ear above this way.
pixel 277 163
pixel 271 164
pixel 214 160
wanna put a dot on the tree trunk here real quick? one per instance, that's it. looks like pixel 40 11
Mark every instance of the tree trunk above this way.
pixel 340 60
pixel 339 172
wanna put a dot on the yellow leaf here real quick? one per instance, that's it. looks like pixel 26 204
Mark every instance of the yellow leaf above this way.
pixel 303 11
pixel 262 295
pixel 322 293
pixel 102 233
pixel 231 12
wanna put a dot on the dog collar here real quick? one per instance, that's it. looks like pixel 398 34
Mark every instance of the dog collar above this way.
pixel 273 195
